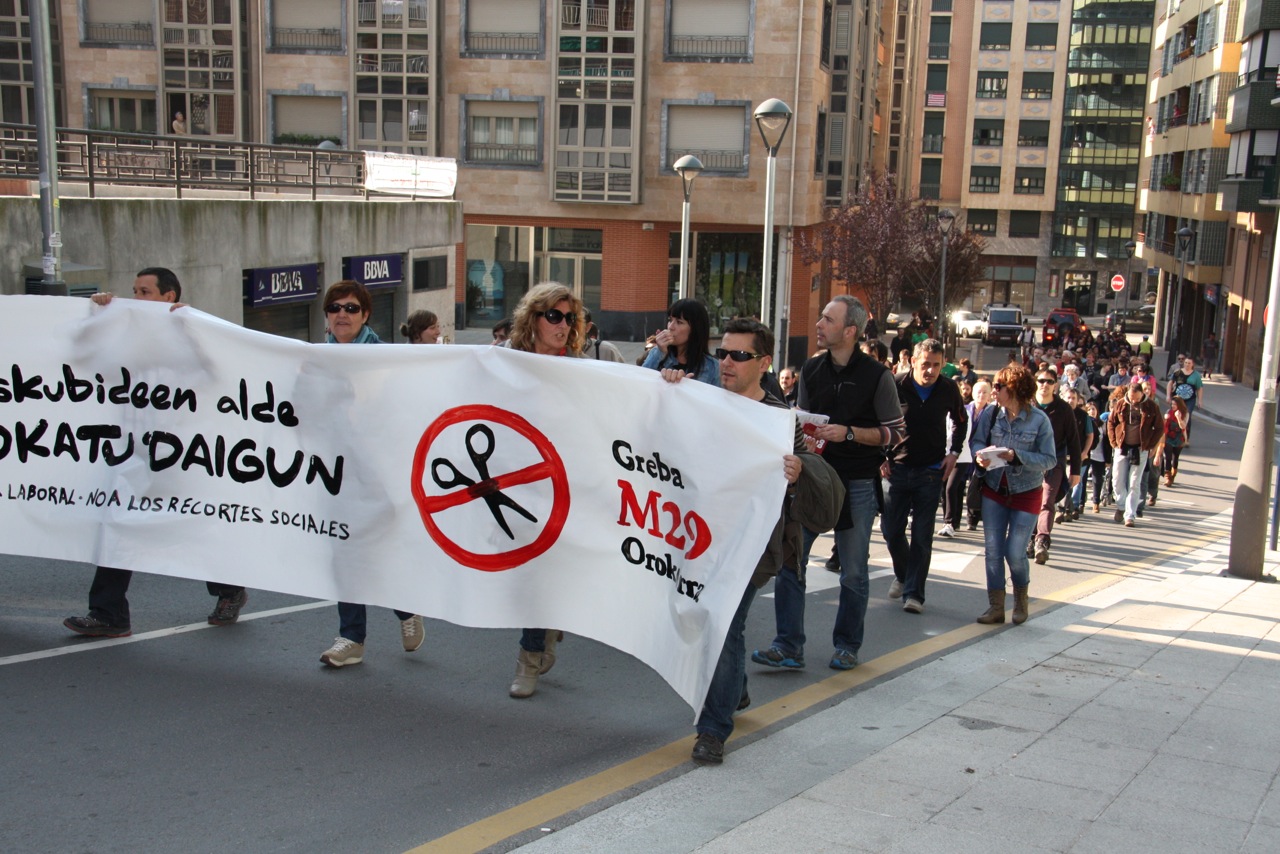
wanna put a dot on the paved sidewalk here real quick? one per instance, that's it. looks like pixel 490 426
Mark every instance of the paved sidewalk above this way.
pixel 1140 719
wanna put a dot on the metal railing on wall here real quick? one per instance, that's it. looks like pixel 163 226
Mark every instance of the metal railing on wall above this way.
pixel 97 158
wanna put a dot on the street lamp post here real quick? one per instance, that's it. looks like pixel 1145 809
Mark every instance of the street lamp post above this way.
pixel 1185 235
pixel 772 118
pixel 946 219
pixel 1129 249
pixel 688 168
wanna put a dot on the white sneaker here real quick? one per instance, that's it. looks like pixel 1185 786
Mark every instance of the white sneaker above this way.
pixel 895 589
pixel 342 653
pixel 947 531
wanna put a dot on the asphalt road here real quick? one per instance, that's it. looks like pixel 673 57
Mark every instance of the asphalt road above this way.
pixel 191 738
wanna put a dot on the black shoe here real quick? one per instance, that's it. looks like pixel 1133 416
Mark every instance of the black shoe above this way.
pixel 708 750
pixel 91 626
pixel 227 611
pixel 1140 511
pixel 972 526
pixel 832 565
pixel 745 701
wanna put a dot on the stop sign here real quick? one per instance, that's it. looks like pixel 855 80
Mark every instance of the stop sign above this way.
pixel 1117 283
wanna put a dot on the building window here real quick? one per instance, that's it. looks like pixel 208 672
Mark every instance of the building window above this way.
pixel 995 36
pixel 202 77
pixel 820 144
pixel 982 220
pixel 306 26
pixel 988 132
pixel 941 5
pixel 502 27
pixel 392 67
pixel 709 29
pixel 111 23
pixel 984 179
pixel 931 141
pixel 1028 181
pixel 1024 223
pixel 501 133
pixel 940 37
pixel 128 112
pixel 1037 85
pixel 1042 36
pixel 714 133
pixel 307 119
pixel 596 69
pixel 930 177
pixel 992 84
pixel 1033 133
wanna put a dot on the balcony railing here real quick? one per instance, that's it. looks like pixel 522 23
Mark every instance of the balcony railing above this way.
pixel 503 42
pixel 713 160
pixel 392 13
pixel 939 50
pixel 98 158
pixel 135 32
pixel 522 155
pixel 708 45
pixel 324 38
pixel 931 143
pixel 930 191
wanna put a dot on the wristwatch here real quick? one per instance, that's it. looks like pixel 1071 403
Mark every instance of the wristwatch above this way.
pixel 848 434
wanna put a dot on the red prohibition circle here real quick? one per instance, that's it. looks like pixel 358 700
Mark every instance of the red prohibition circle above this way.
pixel 550 468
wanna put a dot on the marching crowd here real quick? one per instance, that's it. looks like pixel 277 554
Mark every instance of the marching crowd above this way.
pixel 890 432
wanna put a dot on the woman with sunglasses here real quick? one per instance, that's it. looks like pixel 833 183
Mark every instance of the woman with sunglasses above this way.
pixel 347 306
pixel 686 343
pixel 1013 447
pixel 548 321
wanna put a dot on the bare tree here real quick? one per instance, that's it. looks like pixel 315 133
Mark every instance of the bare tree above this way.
pixel 890 248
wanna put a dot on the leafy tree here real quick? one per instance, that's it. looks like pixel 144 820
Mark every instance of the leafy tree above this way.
pixel 889 248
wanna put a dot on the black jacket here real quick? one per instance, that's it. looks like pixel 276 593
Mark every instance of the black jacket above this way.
pixel 926 420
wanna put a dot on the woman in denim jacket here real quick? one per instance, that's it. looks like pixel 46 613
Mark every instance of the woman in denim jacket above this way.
pixel 1022 450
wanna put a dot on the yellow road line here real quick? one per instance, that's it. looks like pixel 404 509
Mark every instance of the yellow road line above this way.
pixel 546 808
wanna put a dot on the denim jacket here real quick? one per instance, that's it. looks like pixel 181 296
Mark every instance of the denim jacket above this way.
pixel 1029 435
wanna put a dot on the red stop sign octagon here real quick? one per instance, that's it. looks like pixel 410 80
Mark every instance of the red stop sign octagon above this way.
pixel 550 467
pixel 1117 283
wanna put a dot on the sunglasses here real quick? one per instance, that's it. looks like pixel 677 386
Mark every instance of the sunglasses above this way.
pixel 1046 381
pixel 555 315
pixel 348 307
pixel 737 355
pixel 998 386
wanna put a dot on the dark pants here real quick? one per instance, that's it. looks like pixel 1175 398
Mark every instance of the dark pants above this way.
pixel 913 490
pixel 1097 469
pixel 1052 481
pixel 953 497
pixel 353 620
pixel 729 682
pixel 108 600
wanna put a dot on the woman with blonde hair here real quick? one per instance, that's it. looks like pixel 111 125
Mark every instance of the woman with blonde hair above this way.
pixel 548 321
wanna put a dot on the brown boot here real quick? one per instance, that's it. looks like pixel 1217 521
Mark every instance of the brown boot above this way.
pixel 549 646
pixel 1019 605
pixel 994 614
pixel 528 669
pixel 1168 478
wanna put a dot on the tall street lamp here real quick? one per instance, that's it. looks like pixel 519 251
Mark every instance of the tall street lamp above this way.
pixel 1129 249
pixel 772 118
pixel 1185 235
pixel 688 168
pixel 946 219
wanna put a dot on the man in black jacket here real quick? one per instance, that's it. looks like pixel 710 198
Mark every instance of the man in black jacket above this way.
pixel 919 467
pixel 1066 439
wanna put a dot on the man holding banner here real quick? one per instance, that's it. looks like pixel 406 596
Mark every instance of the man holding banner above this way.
pixel 108 615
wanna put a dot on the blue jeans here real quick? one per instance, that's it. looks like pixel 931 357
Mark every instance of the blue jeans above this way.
pixel 1007 534
pixel 353 618
pixel 854 544
pixel 916 491
pixel 729 682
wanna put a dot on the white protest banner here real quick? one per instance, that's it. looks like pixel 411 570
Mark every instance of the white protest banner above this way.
pixel 410 174
pixel 477 485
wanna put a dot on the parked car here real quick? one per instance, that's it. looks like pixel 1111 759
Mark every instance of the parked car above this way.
pixel 1059 323
pixel 968 324
pixel 1139 321
pixel 1004 323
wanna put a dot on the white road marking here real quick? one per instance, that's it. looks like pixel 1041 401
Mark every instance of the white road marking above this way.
pixel 104 643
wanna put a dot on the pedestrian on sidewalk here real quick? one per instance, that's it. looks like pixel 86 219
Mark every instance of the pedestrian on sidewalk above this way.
pixel 1063 476
pixel 1133 428
pixel 1187 384
pixel 1209 355
pixel 962 483
pixel 917 469
pixel 1013 446
pixel 108 615
pixel 1175 432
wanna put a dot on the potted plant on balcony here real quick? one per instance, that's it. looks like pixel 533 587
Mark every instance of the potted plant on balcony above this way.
pixel 1171 181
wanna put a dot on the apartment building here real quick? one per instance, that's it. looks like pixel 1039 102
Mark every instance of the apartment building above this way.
pixel 1194 72
pixel 565 117
pixel 1030 115
pixel 1249 194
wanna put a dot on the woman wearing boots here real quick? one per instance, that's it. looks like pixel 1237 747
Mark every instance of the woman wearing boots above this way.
pixel 548 321
pixel 1013 447
pixel 1175 436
